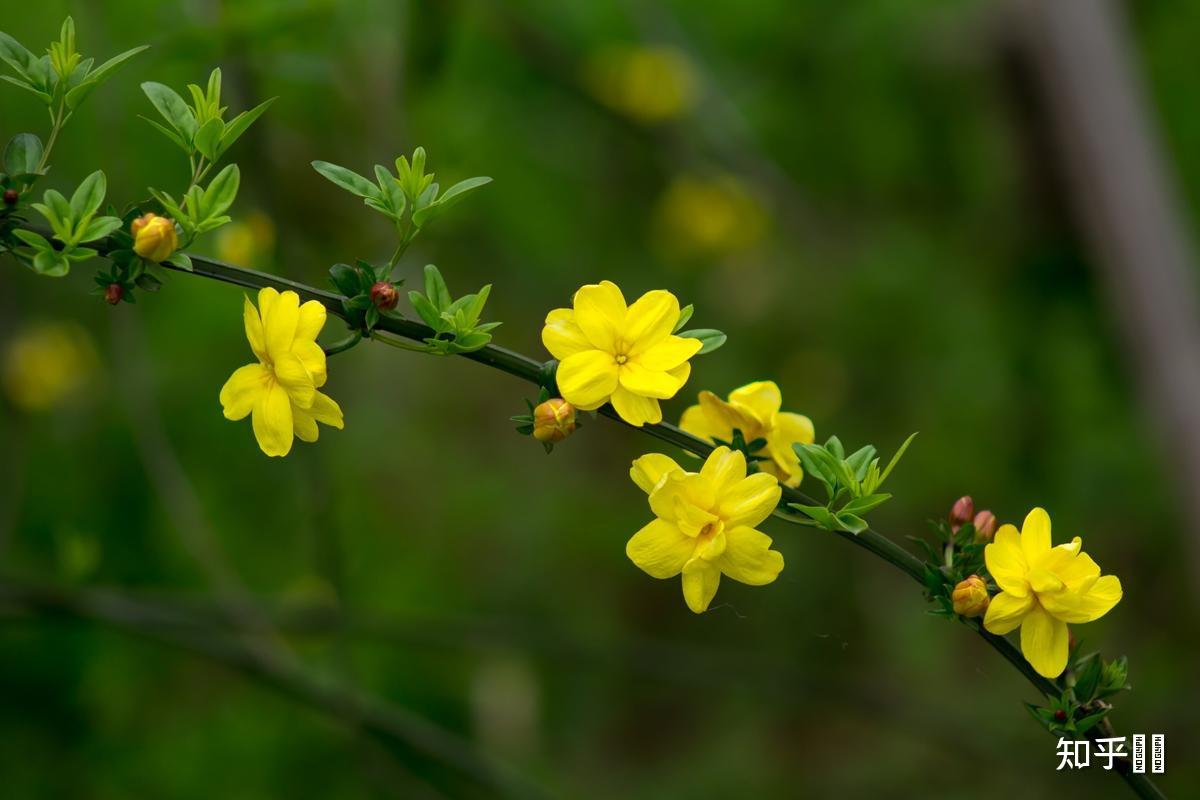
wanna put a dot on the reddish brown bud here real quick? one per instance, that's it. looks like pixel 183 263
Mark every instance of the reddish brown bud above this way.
pixel 113 293
pixel 384 296
pixel 1060 715
pixel 11 196
pixel 962 512
pixel 985 527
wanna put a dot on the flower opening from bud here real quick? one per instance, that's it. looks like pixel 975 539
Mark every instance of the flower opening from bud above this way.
pixel 553 420
pixel 384 295
pixel 985 527
pixel 154 237
pixel 113 293
pixel 970 597
pixel 962 512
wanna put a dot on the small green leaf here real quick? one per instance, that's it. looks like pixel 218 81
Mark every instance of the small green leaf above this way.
pixel 173 109
pixel 180 259
pixel 347 179
pixel 45 97
pixel 23 154
pixel 710 339
pixel 208 136
pixel 99 228
pixel 452 196
pixel 851 522
pixel 34 240
pixel 87 198
pixel 818 514
pixel 170 134
pixel 861 505
pixel 345 279
pixel 97 76
pixel 239 124
pixel 51 264
pixel 425 310
pixel 896 458
pixel 435 288
pixel 685 314
pixel 221 192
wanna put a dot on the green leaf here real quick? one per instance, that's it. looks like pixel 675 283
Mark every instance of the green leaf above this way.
pixel 23 154
pixel 896 458
pixel 98 76
pixel 1090 721
pixel 208 136
pixel 859 459
pixel 452 196
pixel 180 259
pixel 239 124
pixel 685 314
pixel 425 310
pixel 34 240
pixel 87 198
pixel 16 56
pixel 711 339
pixel 435 288
pixel 221 192
pixel 169 205
pixel 99 228
pixel 45 97
pixel 51 264
pixel 852 523
pixel 345 279
pixel 173 109
pixel 60 206
pixel 861 505
pixel 347 179
pixel 170 134
pixel 390 191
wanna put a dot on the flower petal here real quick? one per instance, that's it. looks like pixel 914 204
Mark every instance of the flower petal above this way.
pixel 1006 561
pixel 793 428
pixel 254 329
pixel 1005 612
pixel 700 581
pixel 660 549
pixel 272 421
pixel 649 321
pixel 733 416
pixel 760 399
pixel 1045 642
pixel 697 421
pixel 310 321
pixel 1079 607
pixel 724 468
pixel 327 412
pixel 600 314
pixel 561 336
pixel 681 498
pixel 749 501
pixel 1035 534
pixel 748 557
pixel 279 322
pixel 291 374
pixel 649 383
pixel 636 409
pixel 243 388
pixel 304 425
pixel 587 379
pixel 1079 573
pixel 668 353
pixel 313 358
pixel 649 469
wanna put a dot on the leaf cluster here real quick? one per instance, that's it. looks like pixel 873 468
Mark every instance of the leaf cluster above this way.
pixel 199 128
pixel 851 483
pixel 74 223
pixel 951 558
pixel 455 321
pixel 1081 706
pixel 355 283
pixel 202 209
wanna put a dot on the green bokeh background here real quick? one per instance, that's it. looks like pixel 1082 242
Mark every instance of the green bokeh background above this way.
pixel 911 273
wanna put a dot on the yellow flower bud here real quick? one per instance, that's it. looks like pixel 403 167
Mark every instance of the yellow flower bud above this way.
pixel 154 237
pixel 970 597
pixel 553 420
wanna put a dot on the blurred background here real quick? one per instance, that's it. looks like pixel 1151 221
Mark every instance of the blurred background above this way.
pixel 970 219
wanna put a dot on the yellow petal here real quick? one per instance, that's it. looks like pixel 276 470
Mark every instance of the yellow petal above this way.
pixel 327 412
pixel 660 549
pixel 1079 573
pixel 793 428
pixel 561 336
pixel 1005 612
pixel 304 425
pixel 668 353
pixel 240 392
pixel 1044 642
pixel 1035 535
pixel 310 321
pixel 649 321
pixel 1006 561
pixel 292 375
pixel 650 468
pixel 732 416
pixel 636 409
pixel 748 557
pixel 1079 607
pixel 749 501
pixel 272 421
pixel 279 323
pixel 254 329
pixel 600 314
pixel 680 498
pixel 760 399
pixel 313 358
pixel 700 581
pixel 266 299
pixel 698 422
pixel 1043 581
pixel 724 468
pixel 715 547
pixel 1057 558
pixel 587 379
pixel 648 383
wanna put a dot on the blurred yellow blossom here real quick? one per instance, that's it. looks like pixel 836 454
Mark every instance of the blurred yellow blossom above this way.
pixel 626 354
pixel 46 363
pixel 1042 589
pixel 249 241
pixel 754 410
pixel 704 524
pixel 281 389
pixel 650 84
pixel 709 216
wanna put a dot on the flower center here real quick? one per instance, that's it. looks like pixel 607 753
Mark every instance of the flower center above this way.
pixel 622 358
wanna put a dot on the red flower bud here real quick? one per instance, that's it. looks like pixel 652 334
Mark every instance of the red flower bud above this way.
pixel 384 296
pixel 113 293
pixel 11 196
pixel 962 512
pixel 985 527
pixel 1060 715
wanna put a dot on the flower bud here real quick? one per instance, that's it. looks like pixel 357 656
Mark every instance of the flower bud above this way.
pixel 962 512
pixel 154 237
pixel 384 296
pixel 113 293
pixel 11 196
pixel 970 597
pixel 553 420
pixel 985 527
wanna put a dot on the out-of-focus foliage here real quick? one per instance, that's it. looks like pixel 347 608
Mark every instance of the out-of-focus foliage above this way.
pixel 843 188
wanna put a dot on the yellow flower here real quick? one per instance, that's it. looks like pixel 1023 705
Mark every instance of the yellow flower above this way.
pixel 553 420
pixel 626 354
pixel 45 364
pixel 649 84
pixel 704 524
pixel 709 217
pixel 154 237
pixel 754 410
pixel 970 596
pixel 1044 588
pixel 281 390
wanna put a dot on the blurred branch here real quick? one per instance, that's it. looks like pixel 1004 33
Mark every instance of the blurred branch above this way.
pixel 536 372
